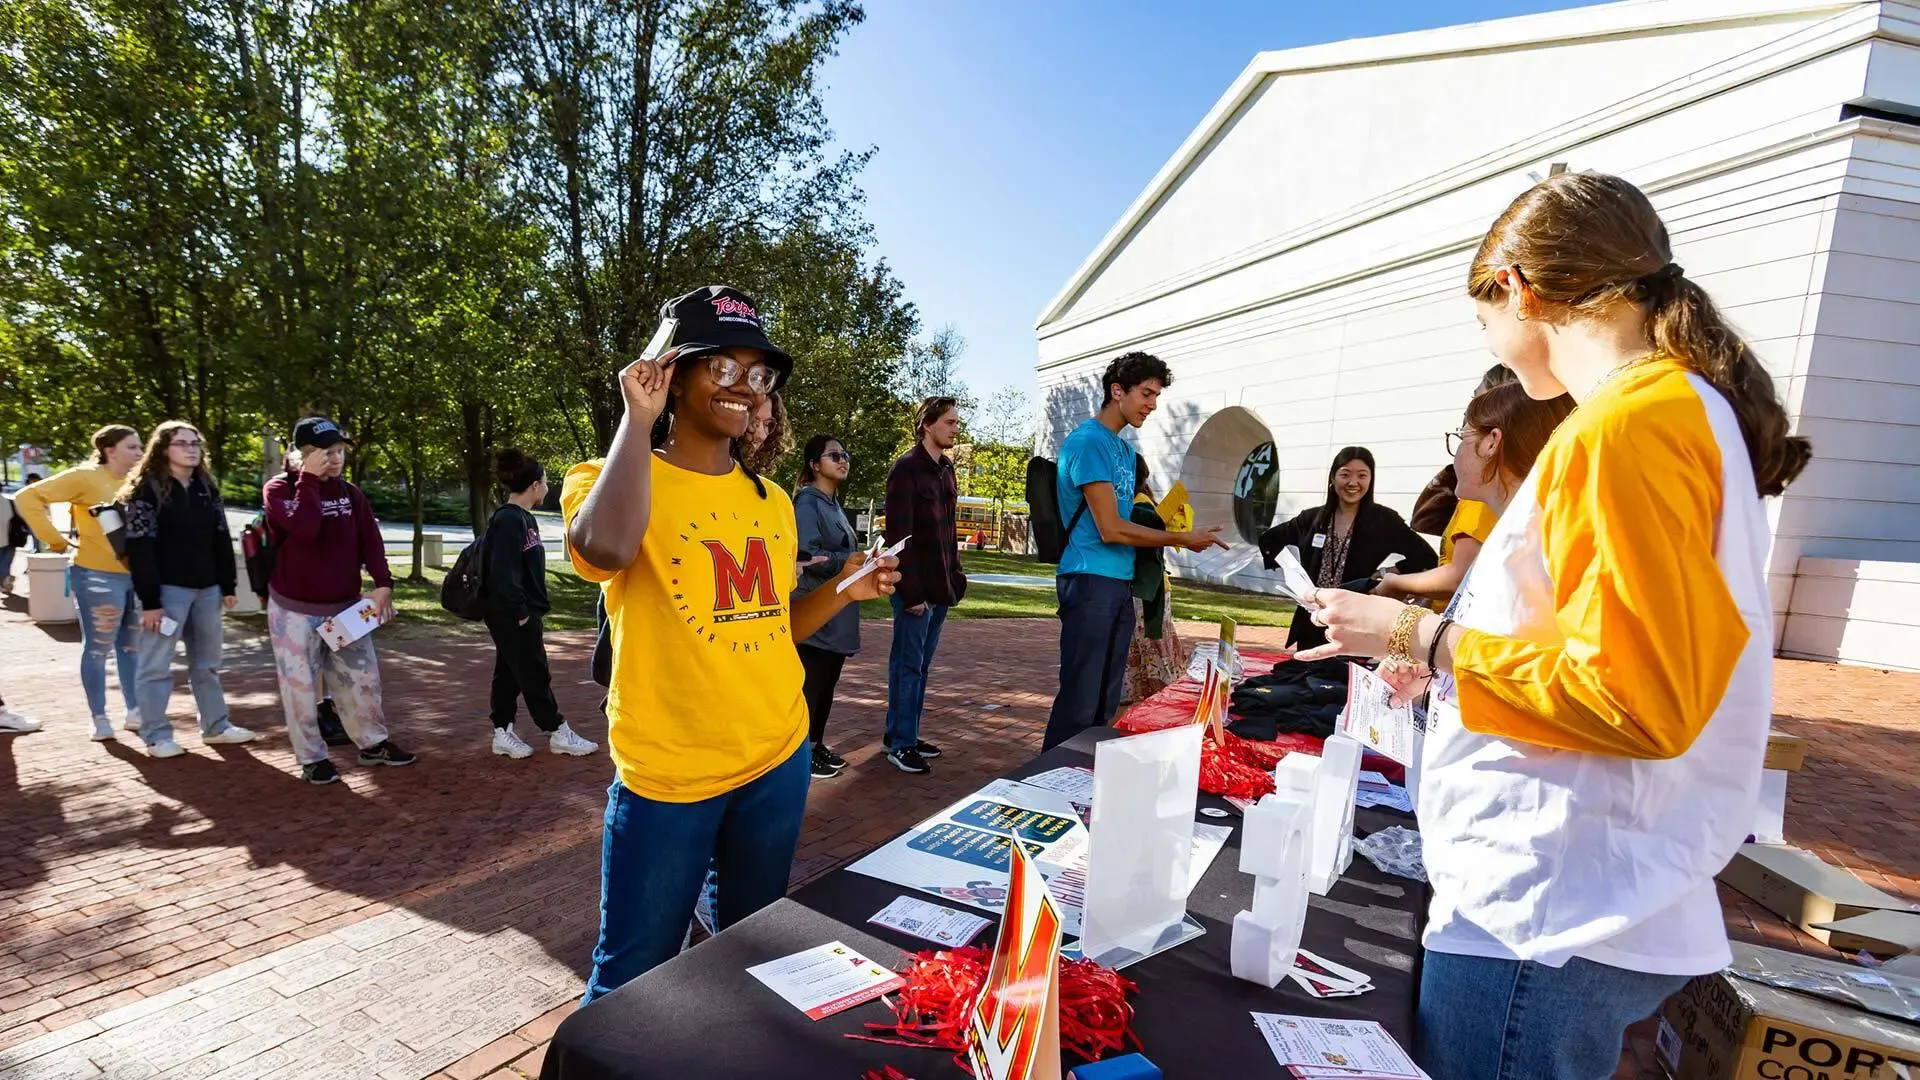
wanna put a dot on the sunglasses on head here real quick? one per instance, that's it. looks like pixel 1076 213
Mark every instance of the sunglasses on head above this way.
pixel 728 371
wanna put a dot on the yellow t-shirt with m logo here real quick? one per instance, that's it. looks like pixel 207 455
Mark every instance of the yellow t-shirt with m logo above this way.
pixel 706 688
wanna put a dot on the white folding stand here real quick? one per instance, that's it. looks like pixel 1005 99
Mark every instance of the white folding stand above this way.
pixel 1274 848
pixel 1141 849
pixel 1329 783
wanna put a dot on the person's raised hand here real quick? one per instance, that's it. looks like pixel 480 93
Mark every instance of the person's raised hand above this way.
pixel 1201 539
pixel 643 384
pixel 878 584
pixel 1357 624
pixel 313 461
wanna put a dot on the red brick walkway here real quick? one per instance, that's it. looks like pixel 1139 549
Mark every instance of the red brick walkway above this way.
pixel 126 883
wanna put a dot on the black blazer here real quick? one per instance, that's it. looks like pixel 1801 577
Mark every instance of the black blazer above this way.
pixel 1378 532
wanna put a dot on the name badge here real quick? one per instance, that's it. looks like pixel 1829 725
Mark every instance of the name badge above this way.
pixel 1319 540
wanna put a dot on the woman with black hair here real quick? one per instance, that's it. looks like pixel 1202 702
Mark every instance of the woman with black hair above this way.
pixel 515 586
pixel 826 539
pixel 1345 539
pixel 696 554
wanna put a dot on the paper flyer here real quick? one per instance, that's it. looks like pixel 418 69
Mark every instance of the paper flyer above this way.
pixel 930 922
pixel 872 563
pixel 1371 720
pixel 826 980
pixel 962 854
pixel 1075 782
pixel 1360 1045
pixel 1176 510
pixel 350 625
pixel 1295 583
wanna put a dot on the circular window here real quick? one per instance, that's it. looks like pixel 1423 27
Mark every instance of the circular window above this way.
pixel 1256 493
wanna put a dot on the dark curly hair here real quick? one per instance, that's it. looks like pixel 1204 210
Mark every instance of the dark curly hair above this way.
pixel 516 470
pixel 1130 370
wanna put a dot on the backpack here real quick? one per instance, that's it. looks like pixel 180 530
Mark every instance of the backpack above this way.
pixel 464 591
pixel 1043 510
pixel 17 532
pixel 259 551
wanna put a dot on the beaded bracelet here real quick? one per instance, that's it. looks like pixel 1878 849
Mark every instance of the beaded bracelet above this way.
pixel 1433 648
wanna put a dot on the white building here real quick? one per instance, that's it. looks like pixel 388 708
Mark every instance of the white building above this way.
pixel 1301 261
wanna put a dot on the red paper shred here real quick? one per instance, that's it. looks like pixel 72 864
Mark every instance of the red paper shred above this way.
pixel 1235 768
pixel 931 1010
pixel 887 1073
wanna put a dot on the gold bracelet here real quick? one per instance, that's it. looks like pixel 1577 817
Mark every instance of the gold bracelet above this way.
pixel 1400 640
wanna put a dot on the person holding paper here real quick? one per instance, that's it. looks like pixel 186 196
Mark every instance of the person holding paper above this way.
pixel 1345 539
pixel 101 583
pixel 515 588
pixel 1095 580
pixel 326 534
pixel 696 554
pixel 1503 432
pixel 1604 676
pixel 180 555
pixel 922 498
pixel 826 537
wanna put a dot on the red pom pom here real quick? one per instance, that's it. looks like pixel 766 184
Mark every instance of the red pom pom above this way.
pixel 1234 769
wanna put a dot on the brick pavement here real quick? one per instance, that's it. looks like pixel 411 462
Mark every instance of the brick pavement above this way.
pixel 126 882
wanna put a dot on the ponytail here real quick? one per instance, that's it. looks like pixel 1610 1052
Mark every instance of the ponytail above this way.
pixel 1684 323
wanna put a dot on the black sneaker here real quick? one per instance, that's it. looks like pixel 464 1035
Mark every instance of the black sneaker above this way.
pixel 909 760
pixel 833 759
pixel 926 750
pixel 320 772
pixel 823 766
pixel 331 729
pixel 385 754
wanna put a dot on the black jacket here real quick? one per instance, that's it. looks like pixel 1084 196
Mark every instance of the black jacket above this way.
pixel 1378 532
pixel 183 541
pixel 516 577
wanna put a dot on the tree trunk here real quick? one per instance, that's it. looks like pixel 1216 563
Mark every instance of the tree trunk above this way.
pixel 418 497
pixel 474 454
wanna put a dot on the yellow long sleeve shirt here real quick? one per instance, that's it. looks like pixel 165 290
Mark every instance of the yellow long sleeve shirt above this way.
pixel 81 488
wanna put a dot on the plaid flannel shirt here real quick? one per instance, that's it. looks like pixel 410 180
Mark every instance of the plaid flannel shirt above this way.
pixel 922 498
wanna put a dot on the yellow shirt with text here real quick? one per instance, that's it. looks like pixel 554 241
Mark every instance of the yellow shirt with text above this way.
pixel 706 687
pixel 81 488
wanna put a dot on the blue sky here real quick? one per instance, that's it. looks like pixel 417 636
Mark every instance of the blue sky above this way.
pixel 1013 133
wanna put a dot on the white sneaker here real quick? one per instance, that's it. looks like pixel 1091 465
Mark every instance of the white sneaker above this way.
pixel 507 741
pixel 102 729
pixel 132 722
pixel 13 721
pixel 565 740
pixel 233 733
pixel 165 748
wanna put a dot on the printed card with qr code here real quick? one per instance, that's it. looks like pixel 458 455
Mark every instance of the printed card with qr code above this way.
pixel 930 922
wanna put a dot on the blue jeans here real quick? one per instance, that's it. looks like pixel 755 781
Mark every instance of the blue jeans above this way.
pixel 197 611
pixel 915 637
pixel 1490 1019
pixel 654 858
pixel 1096 626
pixel 108 628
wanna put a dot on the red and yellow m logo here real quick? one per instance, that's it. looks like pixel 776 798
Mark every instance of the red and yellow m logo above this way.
pixel 734 584
pixel 1015 1026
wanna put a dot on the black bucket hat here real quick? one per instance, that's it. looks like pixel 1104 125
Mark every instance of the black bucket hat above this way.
pixel 710 319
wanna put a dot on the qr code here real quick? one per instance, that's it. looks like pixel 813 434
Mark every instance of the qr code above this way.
pixel 911 926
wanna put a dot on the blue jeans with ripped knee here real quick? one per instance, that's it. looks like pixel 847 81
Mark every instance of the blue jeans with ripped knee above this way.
pixel 108 627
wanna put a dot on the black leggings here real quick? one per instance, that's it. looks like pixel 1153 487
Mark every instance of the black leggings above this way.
pixel 520 670
pixel 823 674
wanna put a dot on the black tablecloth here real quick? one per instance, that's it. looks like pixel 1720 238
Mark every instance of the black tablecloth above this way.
pixel 702 1016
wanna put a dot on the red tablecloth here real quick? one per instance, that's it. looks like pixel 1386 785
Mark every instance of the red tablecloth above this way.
pixel 1175 704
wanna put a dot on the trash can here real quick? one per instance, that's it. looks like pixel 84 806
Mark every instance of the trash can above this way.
pixel 49 595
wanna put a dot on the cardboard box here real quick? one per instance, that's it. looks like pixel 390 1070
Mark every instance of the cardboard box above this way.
pixel 1804 890
pixel 1785 752
pixel 1726 1027
pixel 1882 933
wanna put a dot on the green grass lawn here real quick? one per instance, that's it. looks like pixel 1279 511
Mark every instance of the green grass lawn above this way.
pixel 573 597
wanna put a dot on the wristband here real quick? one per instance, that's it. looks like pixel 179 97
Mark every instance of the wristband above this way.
pixel 1433 647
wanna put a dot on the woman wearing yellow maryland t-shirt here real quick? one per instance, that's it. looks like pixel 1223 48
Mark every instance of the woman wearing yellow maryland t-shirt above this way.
pixel 1603 679
pixel 696 555
pixel 101 584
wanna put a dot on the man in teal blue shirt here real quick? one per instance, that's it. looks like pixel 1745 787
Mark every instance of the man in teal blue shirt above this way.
pixel 1095 581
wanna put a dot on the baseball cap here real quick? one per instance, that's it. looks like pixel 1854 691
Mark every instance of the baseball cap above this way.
pixel 317 431
pixel 716 317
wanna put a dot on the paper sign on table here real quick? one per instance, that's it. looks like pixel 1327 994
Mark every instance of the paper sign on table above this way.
pixel 1074 782
pixel 1335 1045
pixel 826 980
pixel 931 922
pixel 1014 1032
pixel 1371 720
pixel 350 625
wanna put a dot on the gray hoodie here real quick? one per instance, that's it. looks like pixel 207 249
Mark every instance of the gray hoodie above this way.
pixel 824 530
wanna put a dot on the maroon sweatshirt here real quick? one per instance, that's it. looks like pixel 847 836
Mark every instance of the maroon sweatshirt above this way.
pixel 325 532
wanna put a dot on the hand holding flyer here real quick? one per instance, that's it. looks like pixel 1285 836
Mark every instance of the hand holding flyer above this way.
pixel 1295 582
pixel 351 625
pixel 872 563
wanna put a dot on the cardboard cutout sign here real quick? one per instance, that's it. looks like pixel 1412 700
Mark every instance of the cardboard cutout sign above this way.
pixel 1211 711
pixel 1014 1033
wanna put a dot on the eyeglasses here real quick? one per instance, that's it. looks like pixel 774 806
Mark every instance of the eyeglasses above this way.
pixel 1455 438
pixel 184 444
pixel 840 456
pixel 727 371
